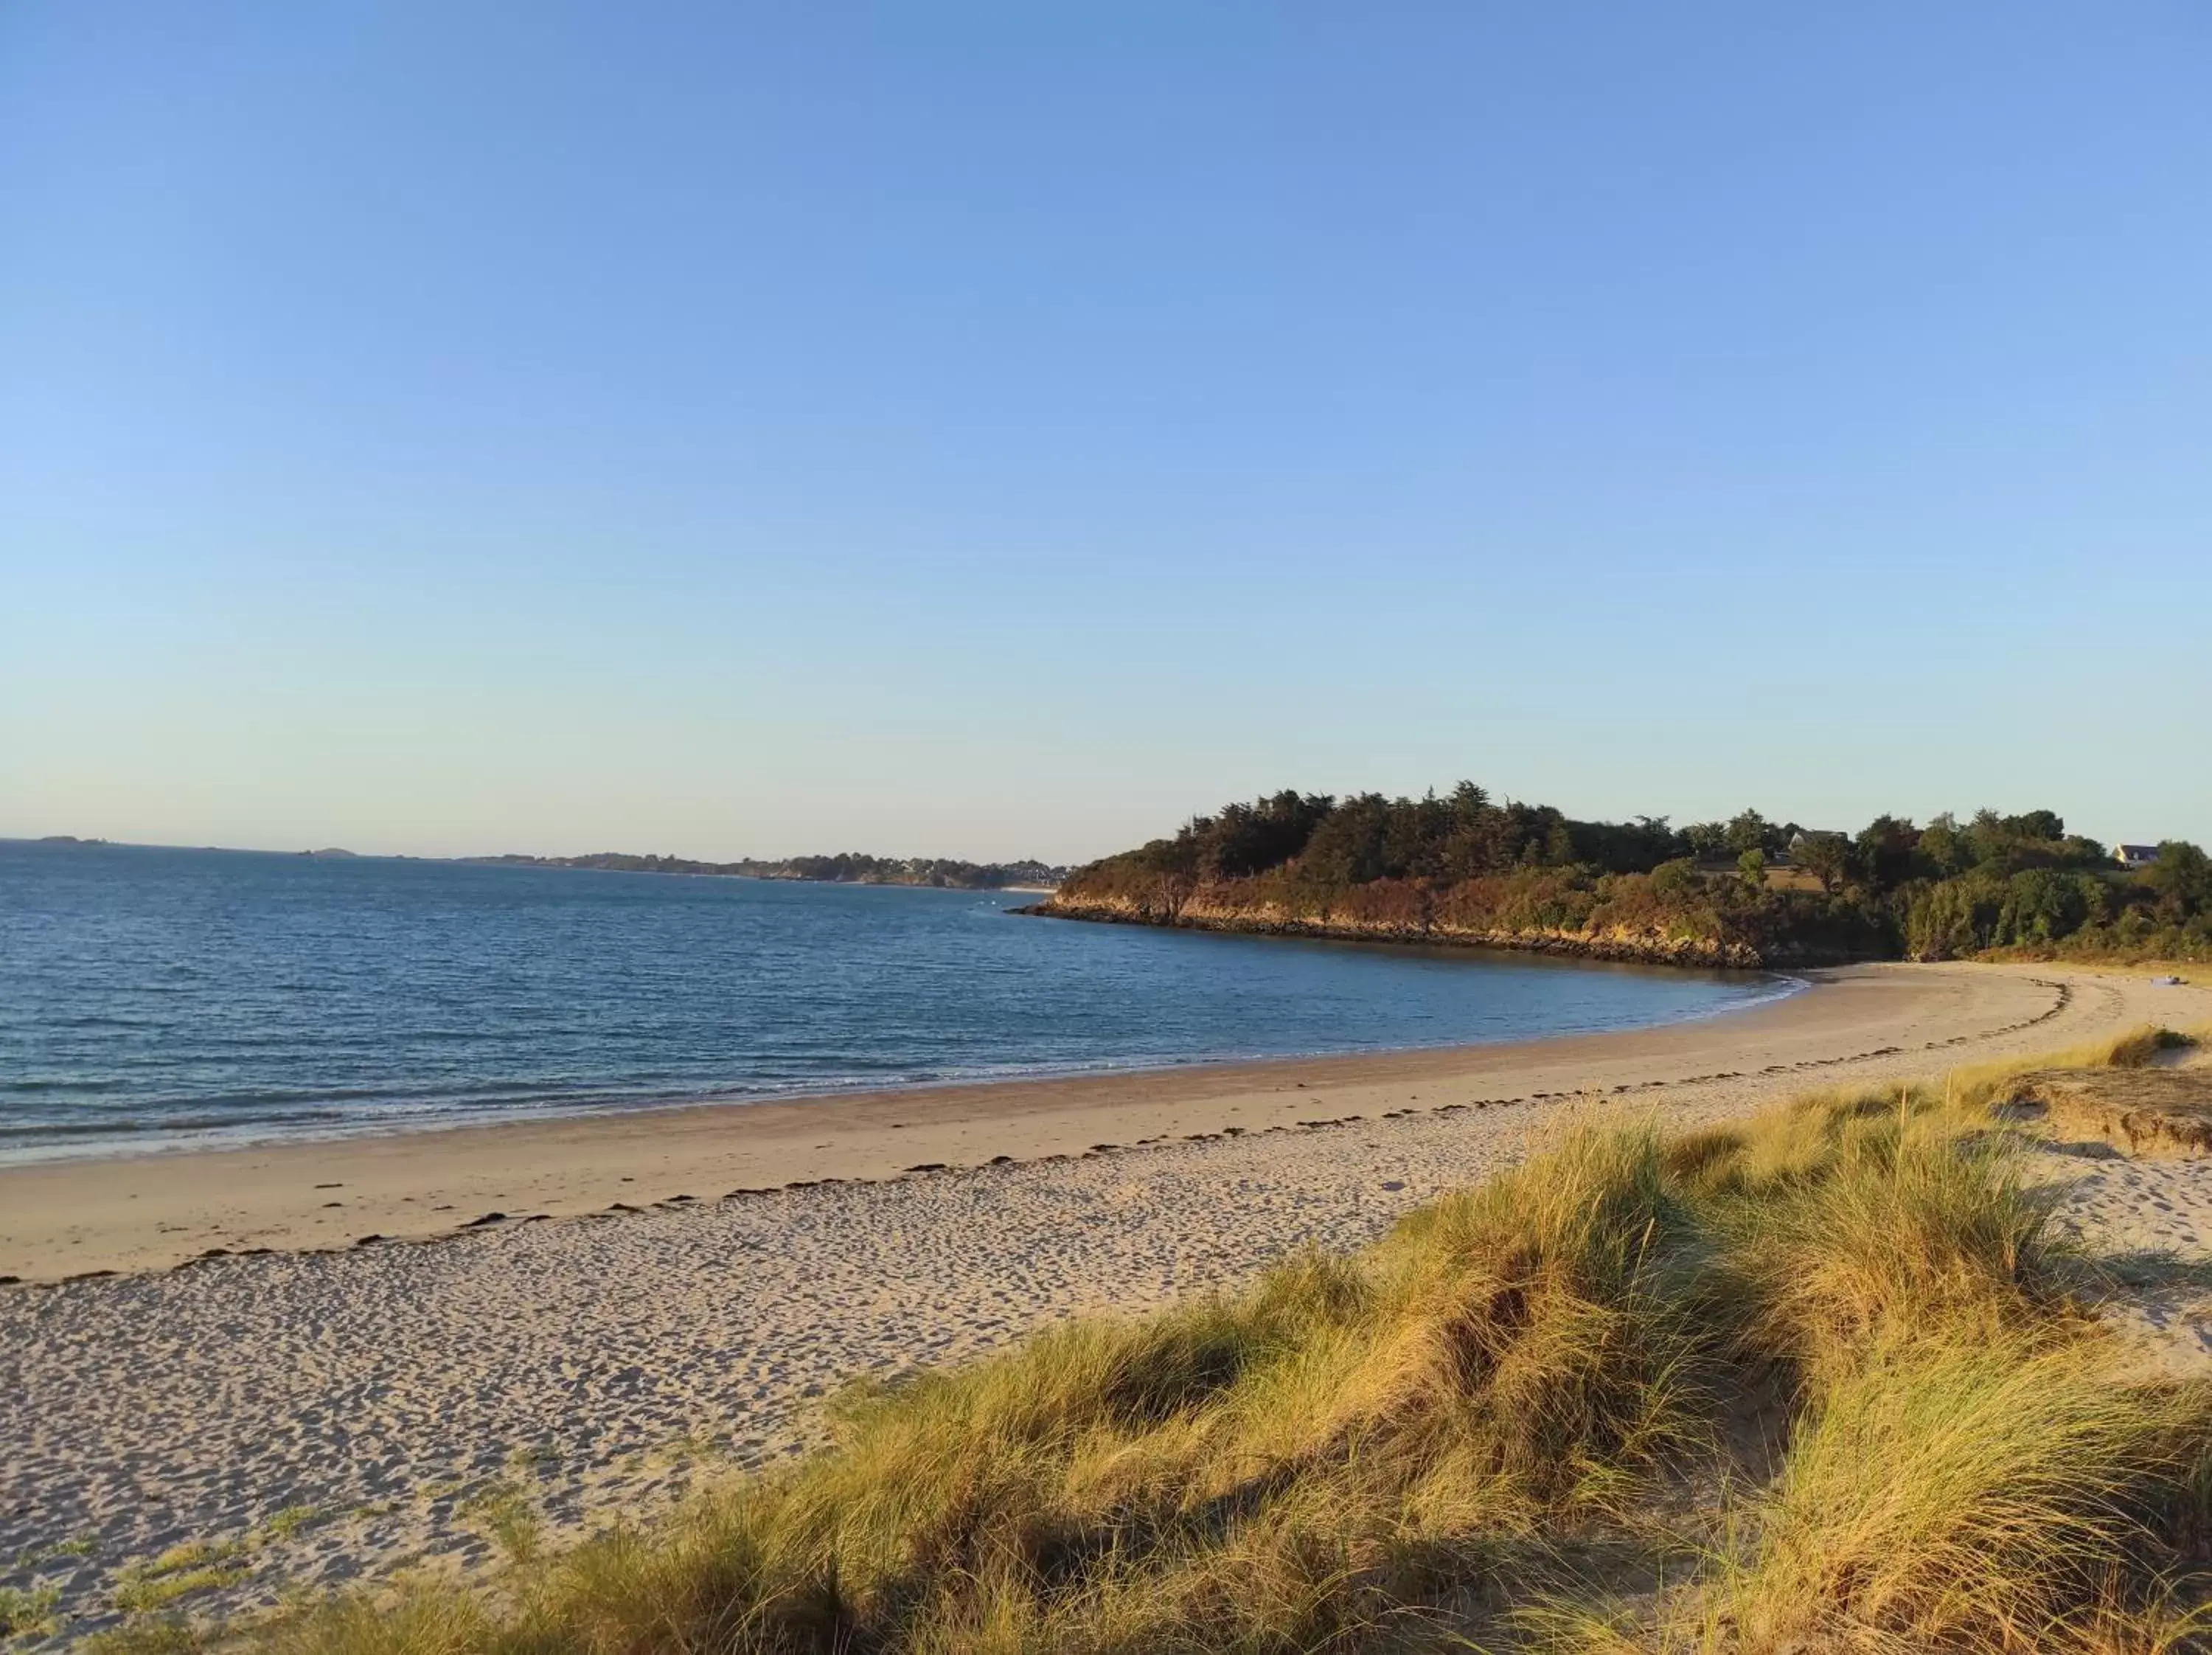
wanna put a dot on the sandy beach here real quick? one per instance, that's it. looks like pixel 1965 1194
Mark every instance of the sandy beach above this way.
pixel 152 1212
pixel 604 1309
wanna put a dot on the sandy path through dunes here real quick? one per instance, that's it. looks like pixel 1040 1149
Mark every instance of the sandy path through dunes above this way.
pixel 2154 1214
pixel 592 1366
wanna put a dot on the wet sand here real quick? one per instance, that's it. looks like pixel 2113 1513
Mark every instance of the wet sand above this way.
pixel 367 1410
pixel 155 1211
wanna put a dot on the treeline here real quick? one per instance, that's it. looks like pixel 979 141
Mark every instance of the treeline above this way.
pixel 847 868
pixel 852 867
pixel 1468 867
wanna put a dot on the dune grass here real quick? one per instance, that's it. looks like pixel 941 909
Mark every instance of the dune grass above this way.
pixel 1822 1381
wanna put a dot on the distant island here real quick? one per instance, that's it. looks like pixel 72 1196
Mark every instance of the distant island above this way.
pixel 1465 868
pixel 847 868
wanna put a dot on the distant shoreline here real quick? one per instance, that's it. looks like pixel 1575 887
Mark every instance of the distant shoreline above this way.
pixel 843 867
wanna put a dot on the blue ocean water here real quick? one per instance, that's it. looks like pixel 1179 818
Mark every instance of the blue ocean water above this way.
pixel 153 997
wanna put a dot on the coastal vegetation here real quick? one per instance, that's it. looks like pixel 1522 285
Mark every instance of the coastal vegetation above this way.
pixel 1463 866
pixel 847 868
pixel 1828 1379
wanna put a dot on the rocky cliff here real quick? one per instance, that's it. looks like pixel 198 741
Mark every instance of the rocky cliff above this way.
pixel 1646 944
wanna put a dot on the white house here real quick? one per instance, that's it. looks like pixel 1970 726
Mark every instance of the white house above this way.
pixel 2134 856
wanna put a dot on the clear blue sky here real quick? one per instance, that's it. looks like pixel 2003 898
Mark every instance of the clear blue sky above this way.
pixel 999 431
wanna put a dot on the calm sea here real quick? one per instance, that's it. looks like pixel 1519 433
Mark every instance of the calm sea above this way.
pixel 152 997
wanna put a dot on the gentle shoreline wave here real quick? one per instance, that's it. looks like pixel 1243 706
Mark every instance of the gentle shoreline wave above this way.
pixel 79 1141
pixel 177 1001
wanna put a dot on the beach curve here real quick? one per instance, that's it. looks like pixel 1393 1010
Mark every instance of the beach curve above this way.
pixel 599 1364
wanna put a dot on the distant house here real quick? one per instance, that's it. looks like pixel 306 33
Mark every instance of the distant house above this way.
pixel 1786 870
pixel 1798 839
pixel 2134 856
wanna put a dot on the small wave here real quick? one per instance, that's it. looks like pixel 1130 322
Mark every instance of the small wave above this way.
pixel 128 1125
pixel 361 1007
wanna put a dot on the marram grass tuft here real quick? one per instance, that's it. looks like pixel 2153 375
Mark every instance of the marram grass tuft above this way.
pixel 1816 1382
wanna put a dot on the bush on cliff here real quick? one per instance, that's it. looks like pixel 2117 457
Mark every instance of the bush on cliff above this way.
pixel 1465 865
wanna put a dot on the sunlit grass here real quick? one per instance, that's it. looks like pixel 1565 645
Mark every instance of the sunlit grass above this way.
pixel 27 1611
pixel 1818 1381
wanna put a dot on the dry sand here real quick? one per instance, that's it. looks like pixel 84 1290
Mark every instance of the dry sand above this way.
pixel 2149 1218
pixel 367 1408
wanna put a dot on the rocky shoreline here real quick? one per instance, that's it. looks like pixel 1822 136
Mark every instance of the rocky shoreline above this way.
pixel 1617 946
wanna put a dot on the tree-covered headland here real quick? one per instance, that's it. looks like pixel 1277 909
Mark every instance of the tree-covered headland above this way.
pixel 1464 866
